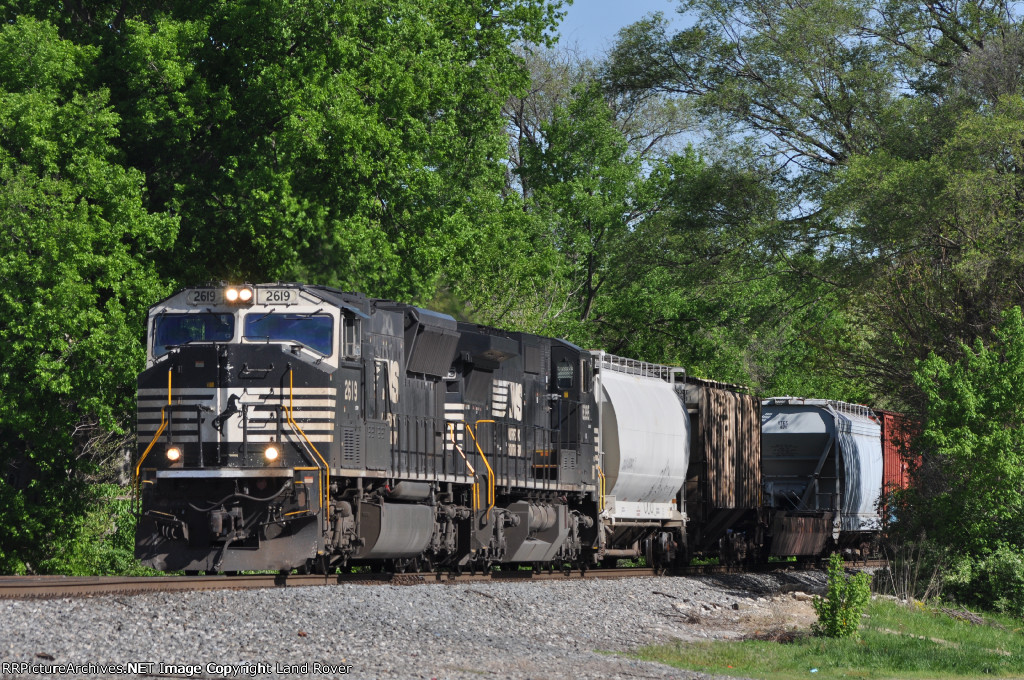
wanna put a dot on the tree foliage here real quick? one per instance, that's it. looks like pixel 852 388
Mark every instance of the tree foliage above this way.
pixel 972 442
pixel 943 230
pixel 811 198
pixel 76 276
pixel 335 142
pixel 881 128
pixel 144 145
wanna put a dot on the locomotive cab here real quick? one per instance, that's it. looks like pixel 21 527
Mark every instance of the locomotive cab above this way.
pixel 237 416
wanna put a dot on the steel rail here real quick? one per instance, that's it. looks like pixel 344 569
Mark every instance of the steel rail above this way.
pixel 48 587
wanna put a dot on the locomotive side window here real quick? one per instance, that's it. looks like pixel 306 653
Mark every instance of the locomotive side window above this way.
pixel 563 375
pixel 315 331
pixel 586 375
pixel 351 347
pixel 171 330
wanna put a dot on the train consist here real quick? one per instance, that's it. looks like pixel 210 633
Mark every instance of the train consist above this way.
pixel 296 427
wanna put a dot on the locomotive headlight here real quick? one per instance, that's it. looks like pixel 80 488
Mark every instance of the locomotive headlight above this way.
pixel 173 454
pixel 271 453
pixel 238 295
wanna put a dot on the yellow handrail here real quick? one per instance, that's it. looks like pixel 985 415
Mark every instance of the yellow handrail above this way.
pixel 325 488
pixel 490 472
pixel 160 431
pixel 601 489
pixel 469 466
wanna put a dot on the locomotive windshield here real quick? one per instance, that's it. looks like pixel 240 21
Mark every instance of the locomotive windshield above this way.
pixel 172 330
pixel 315 331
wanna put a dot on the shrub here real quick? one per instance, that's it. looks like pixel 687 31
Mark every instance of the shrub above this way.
pixel 839 612
pixel 102 541
pixel 993 581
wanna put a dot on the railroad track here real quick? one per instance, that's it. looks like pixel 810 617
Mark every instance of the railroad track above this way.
pixel 23 587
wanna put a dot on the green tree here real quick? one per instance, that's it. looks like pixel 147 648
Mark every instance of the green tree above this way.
pixel 574 188
pixel 880 124
pixel 341 143
pixel 939 235
pixel 526 273
pixel 973 445
pixel 588 188
pixel 76 275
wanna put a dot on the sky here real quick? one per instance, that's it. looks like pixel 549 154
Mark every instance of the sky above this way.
pixel 592 24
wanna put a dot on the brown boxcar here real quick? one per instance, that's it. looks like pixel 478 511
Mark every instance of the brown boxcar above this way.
pixel 723 487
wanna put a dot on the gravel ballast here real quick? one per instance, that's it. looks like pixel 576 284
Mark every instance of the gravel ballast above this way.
pixel 547 629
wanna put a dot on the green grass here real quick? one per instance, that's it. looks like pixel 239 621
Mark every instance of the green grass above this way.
pixel 890 646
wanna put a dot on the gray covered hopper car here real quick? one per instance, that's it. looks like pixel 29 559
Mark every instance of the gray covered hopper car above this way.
pixel 821 465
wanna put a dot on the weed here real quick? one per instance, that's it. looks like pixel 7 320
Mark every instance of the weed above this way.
pixel 839 612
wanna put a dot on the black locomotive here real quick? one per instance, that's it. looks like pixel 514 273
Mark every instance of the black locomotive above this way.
pixel 287 426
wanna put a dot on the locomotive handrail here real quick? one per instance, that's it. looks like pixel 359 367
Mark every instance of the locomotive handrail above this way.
pixel 490 472
pixel 160 431
pixel 472 471
pixel 326 488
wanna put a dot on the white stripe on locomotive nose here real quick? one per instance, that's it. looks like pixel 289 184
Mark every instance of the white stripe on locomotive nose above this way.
pixel 260 438
pixel 277 391
pixel 204 392
pixel 235 429
pixel 157 404
pixel 271 415
pixel 252 439
pixel 299 403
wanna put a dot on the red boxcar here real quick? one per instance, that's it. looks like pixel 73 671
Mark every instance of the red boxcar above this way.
pixel 897 459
